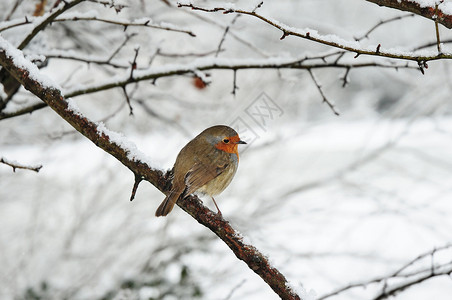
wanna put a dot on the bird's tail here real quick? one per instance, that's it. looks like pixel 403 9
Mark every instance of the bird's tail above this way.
pixel 167 205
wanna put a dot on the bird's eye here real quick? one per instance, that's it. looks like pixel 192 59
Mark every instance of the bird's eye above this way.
pixel 225 141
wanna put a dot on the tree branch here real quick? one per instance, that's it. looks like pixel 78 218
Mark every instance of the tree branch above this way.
pixel 404 279
pixel 16 165
pixel 224 64
pixel 428 12
pixel 332 41
pixel 134 23
pixel 209 64
pixel 29 76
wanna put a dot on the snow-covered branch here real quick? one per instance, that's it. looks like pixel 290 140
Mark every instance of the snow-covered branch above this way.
pixel 441 13
pixel 113 143
pixel 205 64
pixel 16 165
pixel 202 64
pixel 329 40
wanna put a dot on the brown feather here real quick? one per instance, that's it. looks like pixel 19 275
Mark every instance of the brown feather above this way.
pixel 200 166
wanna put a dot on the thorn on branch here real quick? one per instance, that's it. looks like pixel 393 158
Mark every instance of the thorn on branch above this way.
pixel 378 48
pixel 138 179
pixel 259 5
pixel 308 35
pixel 284 35
pixel 422 65
pixel 234 83
pixel 356 56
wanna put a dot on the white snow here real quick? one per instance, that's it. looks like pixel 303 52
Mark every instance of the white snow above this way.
pixel 444 6
pixel 132 150
pixel 23 63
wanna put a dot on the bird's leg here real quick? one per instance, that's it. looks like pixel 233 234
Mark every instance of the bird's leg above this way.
pixel 219 211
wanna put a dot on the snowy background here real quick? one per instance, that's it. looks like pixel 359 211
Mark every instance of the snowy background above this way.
pixel 330 199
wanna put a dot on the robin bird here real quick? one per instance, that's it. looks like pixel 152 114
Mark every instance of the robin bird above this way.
pixel 205 165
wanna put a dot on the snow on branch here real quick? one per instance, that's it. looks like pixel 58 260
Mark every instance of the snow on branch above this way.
pixel 116 145
pixel 204 64
pixel 435 10
pixel 329 40
pixel 16 165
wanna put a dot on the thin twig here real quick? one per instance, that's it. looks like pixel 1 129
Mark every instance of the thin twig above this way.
pixel 111 4
pixel 418 274
pixel 228 27
pixel 127 24
pixel 345 80
pixel 234 83
pixel 193 54
pixel 382 22
pixel 127 100
pixel 325 99
pixel 133 63
pixel 16 165
pixel 138 179
pixel 128 37
pixel 224 35
pixel 23 111
pixel 436 17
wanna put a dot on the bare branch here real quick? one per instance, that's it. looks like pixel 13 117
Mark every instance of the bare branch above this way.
pixel 411 278
pixel 325 99
pixel 136 23
pixel 23 111
pixel 382 22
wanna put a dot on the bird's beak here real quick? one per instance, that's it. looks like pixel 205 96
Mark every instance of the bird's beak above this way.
pixel 241 142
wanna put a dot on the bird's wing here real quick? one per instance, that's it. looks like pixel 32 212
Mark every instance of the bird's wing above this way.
pixel 200 174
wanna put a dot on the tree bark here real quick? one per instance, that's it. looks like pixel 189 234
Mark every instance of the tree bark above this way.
pixel 414 7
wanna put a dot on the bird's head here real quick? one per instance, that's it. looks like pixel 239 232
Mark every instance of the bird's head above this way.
pixel 223 138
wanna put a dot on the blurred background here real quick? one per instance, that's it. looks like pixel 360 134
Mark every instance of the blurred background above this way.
pixel 330 199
